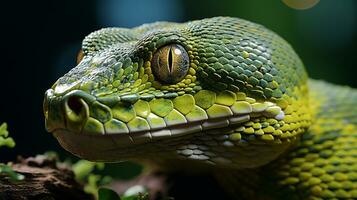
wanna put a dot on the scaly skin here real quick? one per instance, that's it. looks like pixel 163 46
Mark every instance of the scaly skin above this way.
pixel 244 104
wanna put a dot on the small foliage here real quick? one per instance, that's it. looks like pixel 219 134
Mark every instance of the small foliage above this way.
pixel 4 139
pixel 84 172
pixel 7 141
pixel 7 170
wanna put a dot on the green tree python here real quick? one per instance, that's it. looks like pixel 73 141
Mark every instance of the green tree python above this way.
pixel 220 94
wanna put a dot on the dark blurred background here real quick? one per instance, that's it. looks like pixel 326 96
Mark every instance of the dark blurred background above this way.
pixel 40 41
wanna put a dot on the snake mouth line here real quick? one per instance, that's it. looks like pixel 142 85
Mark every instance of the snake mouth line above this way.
pixel 109 147
pixel 83 114
pixel 174 131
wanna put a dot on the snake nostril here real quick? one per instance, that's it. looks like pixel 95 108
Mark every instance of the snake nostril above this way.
pixel 76 108
pixel 75 104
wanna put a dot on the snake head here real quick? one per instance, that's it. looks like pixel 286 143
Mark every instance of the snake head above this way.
pixel 220 91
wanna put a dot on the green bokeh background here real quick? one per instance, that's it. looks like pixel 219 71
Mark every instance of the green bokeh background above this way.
pixel 40 40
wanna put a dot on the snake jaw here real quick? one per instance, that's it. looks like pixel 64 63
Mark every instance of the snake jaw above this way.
pixel 92 129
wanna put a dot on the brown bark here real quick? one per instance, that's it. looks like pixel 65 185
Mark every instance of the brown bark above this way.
pixel 44 179
pixel 48 179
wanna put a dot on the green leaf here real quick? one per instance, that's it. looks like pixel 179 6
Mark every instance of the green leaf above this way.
pixel 99 165
pixel 14 176
pixel 83 168
pixel 91 186
pixel 4 139
pixel 9 142
pixel 107 194
pixel 85 172
pixel 3 130
pixel 105 180
pixel 51 155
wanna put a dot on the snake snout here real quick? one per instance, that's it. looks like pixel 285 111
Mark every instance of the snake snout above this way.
pixel 68 111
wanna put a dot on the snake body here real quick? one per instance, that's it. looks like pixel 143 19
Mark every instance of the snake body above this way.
pixel 223 94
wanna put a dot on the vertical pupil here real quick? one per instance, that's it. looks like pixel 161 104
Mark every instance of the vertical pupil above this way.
pixel 170 60
pixel 170 63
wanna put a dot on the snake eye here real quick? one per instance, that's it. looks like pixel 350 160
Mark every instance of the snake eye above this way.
pixel 170 63
pixel 80 56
